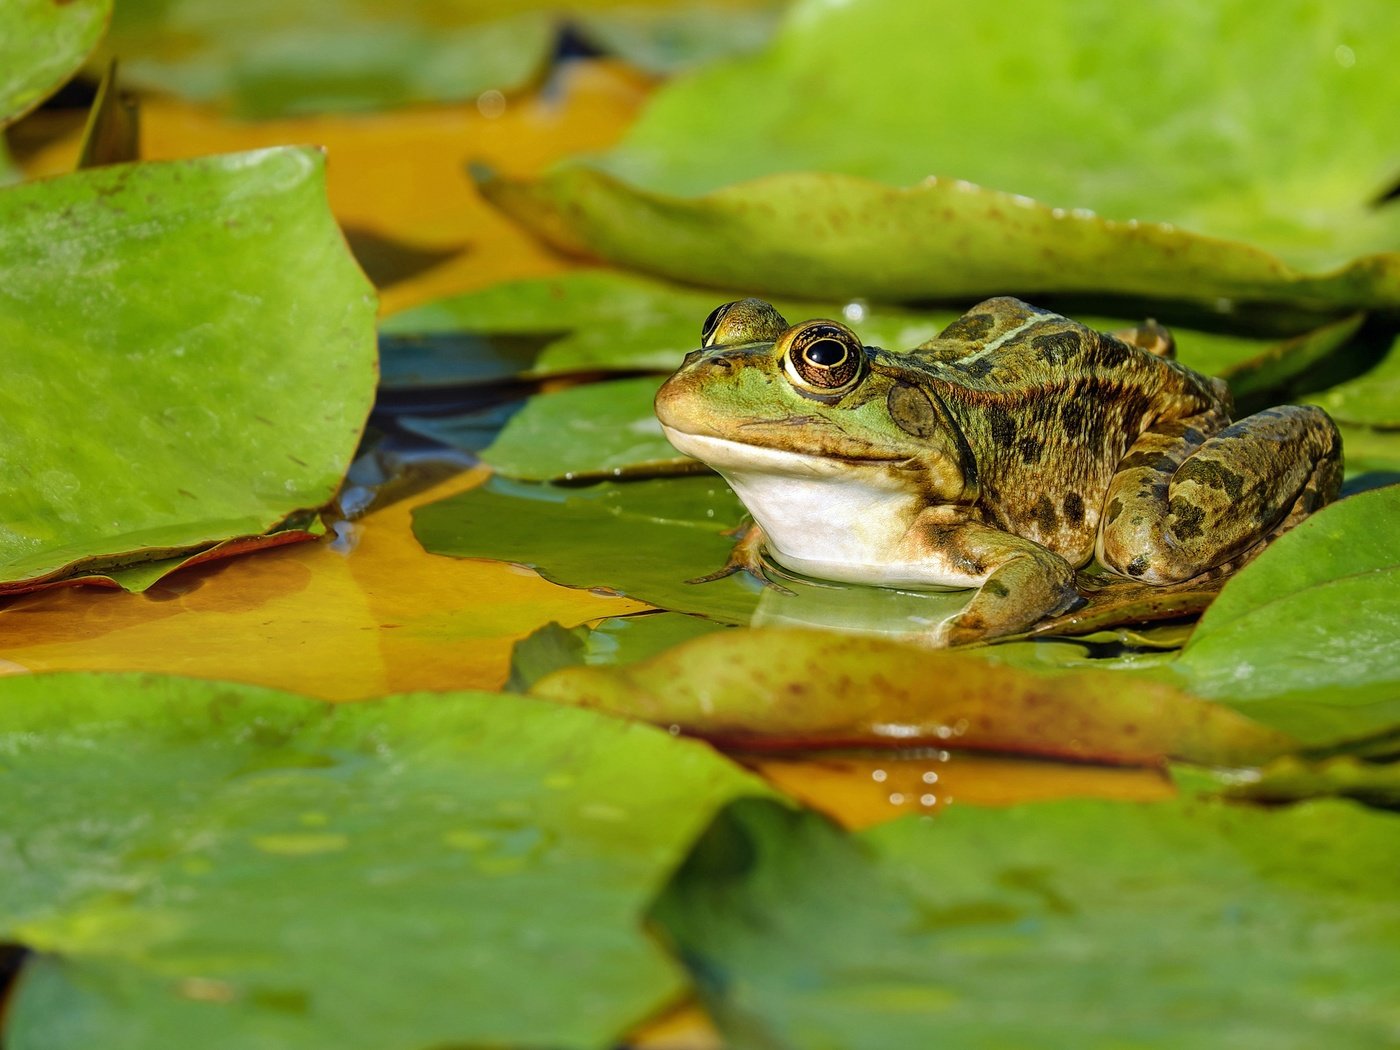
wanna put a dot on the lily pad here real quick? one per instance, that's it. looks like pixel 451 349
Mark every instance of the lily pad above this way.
pixel 1291 779
pixel 643 538
pixel 263 58
pixel 822 235
pixel 1111 112
pixel 1303 638
pixel 766 689
pixel 1371 399
pixel 590 320
pixel 189 350
pixel 617 640
pixel 594 430
pixel 42 44
pixel 1067 924
pixel 266 59
pixel 669 38
pixel 204 864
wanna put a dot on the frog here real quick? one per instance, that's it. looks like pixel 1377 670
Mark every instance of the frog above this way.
pixel 1011 450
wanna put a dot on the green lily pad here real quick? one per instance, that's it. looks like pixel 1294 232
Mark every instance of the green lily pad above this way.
pixel 1371 449
pixel 616 640
pixel 776 689
pixel 263 58
pixel 204 864
pixel 643 539
pixel 825 235
pixel 1115 112
pixel 589 320
pixel 594 430
pixel 1372 399
pixel 1078 924
pixel 189 350
pixel 42 44
pixel 1292 779
pixel 669 38
pixel 1303 638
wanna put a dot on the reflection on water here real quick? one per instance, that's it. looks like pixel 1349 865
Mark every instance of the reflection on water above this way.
pixel 801 601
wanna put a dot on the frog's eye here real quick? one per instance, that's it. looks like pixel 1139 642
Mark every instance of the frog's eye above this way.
pixel 746 321
pixel 823 357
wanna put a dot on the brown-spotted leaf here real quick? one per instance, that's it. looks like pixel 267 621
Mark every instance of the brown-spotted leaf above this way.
pixel 769 689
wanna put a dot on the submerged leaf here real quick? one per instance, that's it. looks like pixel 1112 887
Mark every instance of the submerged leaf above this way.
pixel 42 44
pixel 204 864
pixel 766 689
pixel 200 341
pixel 1303 638
pixel 1066 924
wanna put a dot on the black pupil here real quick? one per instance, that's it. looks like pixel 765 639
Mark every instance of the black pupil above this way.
pixel 711 322
pixel 826 352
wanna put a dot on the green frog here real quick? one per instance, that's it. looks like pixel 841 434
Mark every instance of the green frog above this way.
pixel 1013 448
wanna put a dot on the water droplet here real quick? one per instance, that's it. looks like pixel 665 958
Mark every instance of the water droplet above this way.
pixel 854 311
pixel 927 800
pixel 879 776
pixel 1345 56
pixel 896 799
pixel 930 777
pixel 491 104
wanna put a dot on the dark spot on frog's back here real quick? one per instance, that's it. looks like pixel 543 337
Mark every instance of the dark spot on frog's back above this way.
pixel 1074 508
pixel 1113 351
pixel 1159 461
pixel 1043 513
pixel 1186 519
pixel 912 410
pixel 1074 417
pixel 977 367
pixel 1214 475
pixel 1115 510
pixel 1030 448
pixel 1137 566
pixel 1001 426
pixel 1056 348
pixel 972 327
pixel 996 588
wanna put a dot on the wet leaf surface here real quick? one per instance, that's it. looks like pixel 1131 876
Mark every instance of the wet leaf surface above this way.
pixel 1303 638
pixel 191 433
pixel 1075 924
pixel 774 689
pixel 42 44
pixel 205 864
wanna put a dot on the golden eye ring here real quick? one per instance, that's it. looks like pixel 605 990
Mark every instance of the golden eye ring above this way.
pixel 823 357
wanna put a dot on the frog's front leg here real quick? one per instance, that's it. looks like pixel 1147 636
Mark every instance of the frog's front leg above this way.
pixel 1021 581
pixel 1190 495
pixel 745 556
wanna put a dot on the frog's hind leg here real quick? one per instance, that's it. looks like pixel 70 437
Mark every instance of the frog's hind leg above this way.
pixel 1191 495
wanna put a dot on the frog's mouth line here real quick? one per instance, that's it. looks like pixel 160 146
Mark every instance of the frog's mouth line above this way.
pixel 724 453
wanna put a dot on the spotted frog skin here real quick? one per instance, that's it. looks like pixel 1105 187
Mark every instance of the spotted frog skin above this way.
pixel 1003 454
